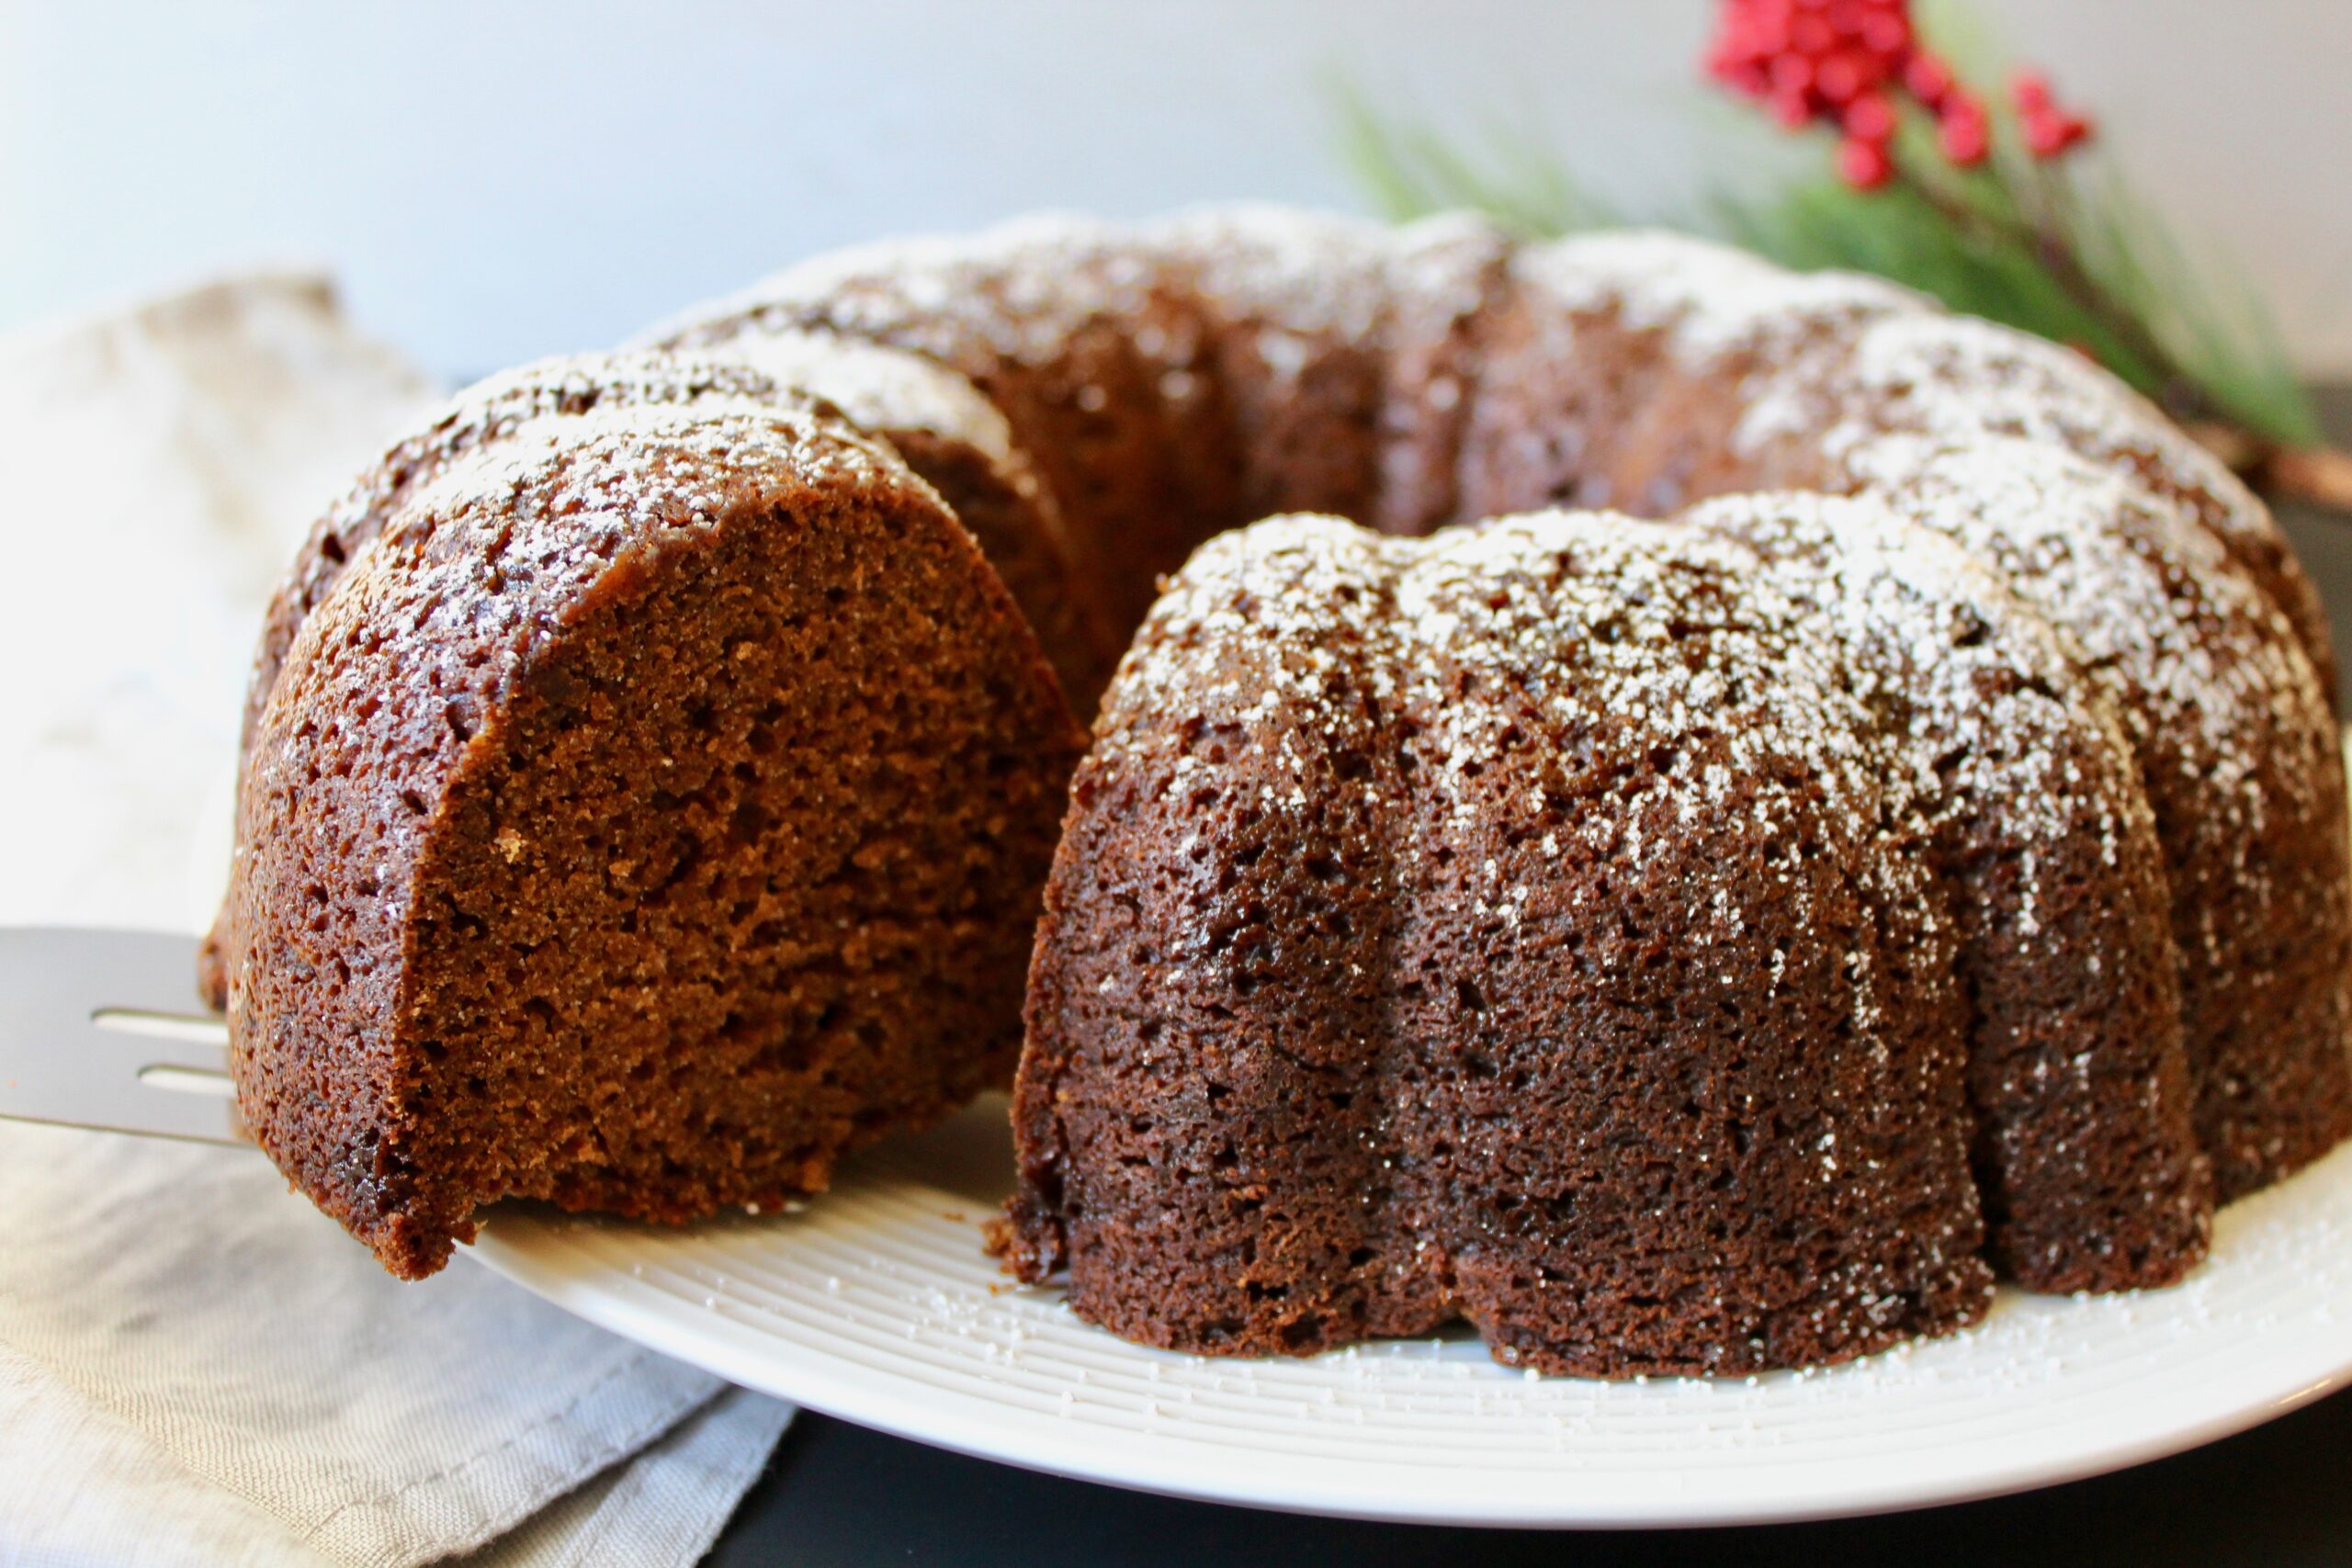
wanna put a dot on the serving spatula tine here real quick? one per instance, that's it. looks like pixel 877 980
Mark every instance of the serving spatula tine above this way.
pixel 85 1016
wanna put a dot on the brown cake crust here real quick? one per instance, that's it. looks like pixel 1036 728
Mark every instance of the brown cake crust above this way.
pixel 651 809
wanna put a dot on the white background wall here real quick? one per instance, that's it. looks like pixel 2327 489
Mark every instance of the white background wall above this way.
pixel 504 178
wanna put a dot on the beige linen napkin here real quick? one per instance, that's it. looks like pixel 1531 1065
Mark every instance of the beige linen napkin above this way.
pixel 195 1365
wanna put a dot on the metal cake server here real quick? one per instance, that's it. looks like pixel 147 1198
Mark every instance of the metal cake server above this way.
pixel 103 1029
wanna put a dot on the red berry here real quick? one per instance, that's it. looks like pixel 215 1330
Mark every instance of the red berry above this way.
pixel 1962 131
pixel 2048 132
pixel 1927 78
pixel 1792 109
pixel 1886 33
pixel 1792 73
pixel 1864 165
pixel 1845 73
pixel 1870 118
pixel 2030 90
pixel 1810 33
pixel 1964 139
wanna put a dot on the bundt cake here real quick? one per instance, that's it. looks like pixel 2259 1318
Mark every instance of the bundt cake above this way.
pixel 1889 831
pixel 646 795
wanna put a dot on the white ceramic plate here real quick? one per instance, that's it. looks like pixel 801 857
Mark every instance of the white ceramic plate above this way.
pixel 876 1303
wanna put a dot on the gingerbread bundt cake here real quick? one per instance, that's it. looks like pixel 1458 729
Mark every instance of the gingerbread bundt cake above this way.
pixel 1900 837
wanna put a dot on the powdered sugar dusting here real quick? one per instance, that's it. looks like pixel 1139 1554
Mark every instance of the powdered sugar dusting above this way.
pixel 1706 299
pixel 2138 589
pixel 1299 279
pixel 648 435
pixel 881 390
pixel 1958 378
pixel 623 469
pixel 1809 605
pixel 523 404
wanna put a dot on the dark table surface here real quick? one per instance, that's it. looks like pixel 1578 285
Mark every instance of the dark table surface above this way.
pixel 2277 1495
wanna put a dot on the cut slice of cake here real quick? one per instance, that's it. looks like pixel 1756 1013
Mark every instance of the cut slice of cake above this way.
pixel 647 793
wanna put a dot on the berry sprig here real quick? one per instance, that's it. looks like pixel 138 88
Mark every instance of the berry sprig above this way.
pixel 1850 65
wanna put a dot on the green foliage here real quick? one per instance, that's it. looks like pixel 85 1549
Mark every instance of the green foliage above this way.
pixel 1411 171
pixel 2068 249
